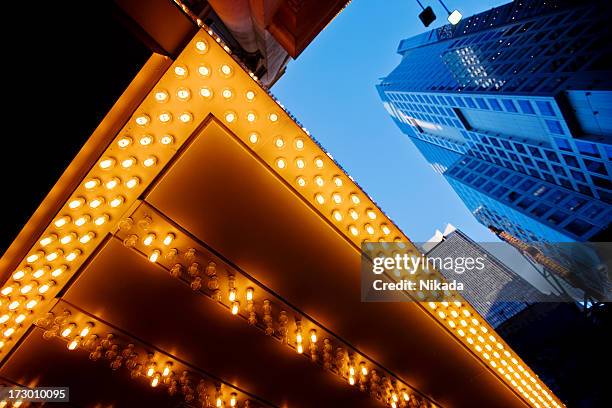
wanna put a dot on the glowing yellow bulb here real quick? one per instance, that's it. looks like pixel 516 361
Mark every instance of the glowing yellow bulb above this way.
pixel 73 344
pixel 219 402
pixel 338 181
pixel 313 336
pixel 35 257
pixel 96 202
pixel 107 163
pixel 129 162
pixel 273 117
pixel 206 92
pixel 19 274
pixel 142 120
pixel 235 308
pixel 300 181
pixel 281 163
pixel 87 237
pixel 167 140
pixel 337 198
pixel 227 93
pixel 150 161
pixel 185 117
pixel 101 219
pixel 60 222
pixel 319 198
pixel 201 46
pixel 405 396
pixel 7 290
pixel 146 140
pixel 183 94
pixel 154 255
pixel 66 239
pixel 45 287
pixel 82 220
pixel 151 370
pixel 249 294
pixel 318 163
pixel 355 198
pixel 161 96
pixel 300 348
pixel 133 182
pixel 299 143
pixel 232 295
pixel 300 163
pixel 369 229
pixel 165 117
pixel 168 239
pixel 124 142
pixel 166 371
pixel 385 229
pixel 76 203
pixel 353 230
pixel 251 117
pixel 233 399
pixel 57 272
pixel 26 289
pixel 337 215
pixel 230 117
pixel 31 304
pixel 91 183
pixel 181 71
pixel 14 305
pixel 226 70
pixel 319 181
pixel 72 255
pixel 253 137
pixel 364 369
pixel 352 380
pixel 148 240
pixel 116 202
pixel 371 214
pixel 9 332
pixel 279 142
pixel 4 318
pixel 47 240
pixel 250 95
pixel 40 272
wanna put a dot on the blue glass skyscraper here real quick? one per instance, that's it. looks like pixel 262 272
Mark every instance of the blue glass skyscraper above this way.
pixel 514 107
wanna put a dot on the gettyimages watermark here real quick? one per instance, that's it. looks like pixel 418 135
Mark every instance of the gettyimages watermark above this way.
pixel 485 272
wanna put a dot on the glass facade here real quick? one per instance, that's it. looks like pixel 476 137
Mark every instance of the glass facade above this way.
pixel 514 107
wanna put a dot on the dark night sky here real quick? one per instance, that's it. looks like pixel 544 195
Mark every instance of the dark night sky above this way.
pixel 65 66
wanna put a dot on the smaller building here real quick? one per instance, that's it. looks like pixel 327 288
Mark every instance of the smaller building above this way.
pixel 496 292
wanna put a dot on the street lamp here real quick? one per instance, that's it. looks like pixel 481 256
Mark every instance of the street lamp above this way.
pixel 453 17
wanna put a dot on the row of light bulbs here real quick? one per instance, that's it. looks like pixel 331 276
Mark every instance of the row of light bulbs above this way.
pixel 192 266
pixel 475 333
pixel 79 332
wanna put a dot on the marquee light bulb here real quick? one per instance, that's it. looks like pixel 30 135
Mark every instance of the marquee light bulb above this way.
pixel 230 117
pixel 279 142
pixel 253 137
pixel 301 181
pixel 369 229
pixel 201 46
pixel 47 240
pixel 337 198
pixel 35 256
pixel 319 181
pixel 8 332
pixel 371 214
pixel 337 215
pixel 107 163
pixel 385 229
pixel 167 140
pixel 300 163
pixel 19 274
pixel 405 396
pixel 338 181
pixel 142 120
pixel 227 93
pixel 299 143
pixel 58 271
pixel 66 332
pixel 66 239
pixel 364 369
pixel 250 95
pixel 19 319
pixel 45 287
pixel 148 240
pixel 146 140
pixel 226 70
pixel 186 117
pixel 206 92
pixel 183 94
pixel 155 381
pixel 133 182
pixel 281 163
pixel 150 161
pixel 181 71
pixel 353 230
pixel 232 294
pixel 249 294
pixel 26 289
pixel 76 203
pixel 82 220
pixel 300 348
pixel 72 255
pixel 319 198
pixel 235 308
pixel 166 371
pixel 32 303
pixel 40 272
pixel 233 399
pixel 101 219
pixel 151 370
pixel 91 183
pixel 116 202
pixel 60 222
pixel 4 318
pixel 7 290
pixel 273 117
pixel 96 202
pixel 313 336
pixel 14 305
pixel 251 117
pixel 351 380
pixel 318 163
pixel 165 117
pixel 168 239
pixel 355 198
pixel 87 237
pixel 129 162
pixel 74 343
pixel 124 142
